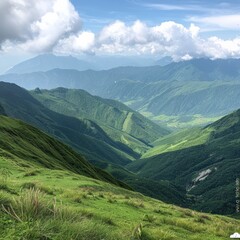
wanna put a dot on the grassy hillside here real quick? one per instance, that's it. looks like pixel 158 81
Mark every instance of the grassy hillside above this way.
pixel 207 170
pixel 44 195
pixel 119 121
pixel 83 135
pixel 24 145
pixel 180 140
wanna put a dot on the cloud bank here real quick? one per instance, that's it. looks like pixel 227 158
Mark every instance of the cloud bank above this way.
pixel 55 26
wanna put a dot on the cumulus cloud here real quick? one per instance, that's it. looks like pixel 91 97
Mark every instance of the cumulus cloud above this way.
pixel 167 39
pixel 83 42
pixel 36 25
pixel 55 26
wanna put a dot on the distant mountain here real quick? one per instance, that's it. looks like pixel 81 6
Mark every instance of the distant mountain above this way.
pixel 119 121
pixel 46 62
pixel 181 94
pixel 163 61
pixel 207 170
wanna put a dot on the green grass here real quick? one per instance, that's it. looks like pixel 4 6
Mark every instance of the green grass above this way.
pixel 79 207
pixel 179 122
pixel 180 140
pixel 47 191
pixel 25 145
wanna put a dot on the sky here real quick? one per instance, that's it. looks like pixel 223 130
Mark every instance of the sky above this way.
pixel 180 29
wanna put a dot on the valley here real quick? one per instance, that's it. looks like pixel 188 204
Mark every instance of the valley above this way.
pixel 150 143
pixel 119 120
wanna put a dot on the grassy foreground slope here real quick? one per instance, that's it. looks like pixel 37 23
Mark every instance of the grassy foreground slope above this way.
pixel 43 195
pixel 27 146
pixel 119 121
pixel 208 170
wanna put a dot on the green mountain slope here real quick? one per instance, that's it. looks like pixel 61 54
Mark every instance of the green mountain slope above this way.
pixel 24 145
pixel 208 171
pixel 118 121
pixel 44 195
pixel 181 94
pixel 179 140
pixel 83 135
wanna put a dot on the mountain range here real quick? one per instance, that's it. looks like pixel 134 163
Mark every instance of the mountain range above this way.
pixel 180 95
pixel 182 167
pixel 120 122
pixel 88 138
pixel 46 62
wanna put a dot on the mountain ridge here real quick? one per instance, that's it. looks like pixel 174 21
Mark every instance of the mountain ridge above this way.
pixel 200 168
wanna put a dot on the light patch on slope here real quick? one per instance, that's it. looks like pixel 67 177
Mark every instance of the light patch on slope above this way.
pixel 201 177
pixel 127 122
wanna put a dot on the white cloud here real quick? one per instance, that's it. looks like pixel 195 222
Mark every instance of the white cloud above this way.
pixel 83 42
pixel 167 39
pixel 36 25
pixel 171 7
pixel 54 25
pixel 230 22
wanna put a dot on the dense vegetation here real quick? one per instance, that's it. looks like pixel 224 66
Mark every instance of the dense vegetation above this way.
pixel 87 138
pixel 119 121
pixel 207 170
pixel 44 195
pixel 184 168
pixel 83 135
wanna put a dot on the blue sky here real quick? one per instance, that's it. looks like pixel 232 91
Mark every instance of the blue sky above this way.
pixel 95 14
pixel 179 29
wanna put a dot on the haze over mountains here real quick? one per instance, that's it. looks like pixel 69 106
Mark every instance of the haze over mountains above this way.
pixel 46 62
pixel 182 94
pixel 184 167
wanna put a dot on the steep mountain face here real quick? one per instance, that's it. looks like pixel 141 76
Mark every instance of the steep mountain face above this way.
pixel 181 94
pixel 22 144
pixel 119 121
pixel 83 135
pixel 46 62
pixel 208 171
